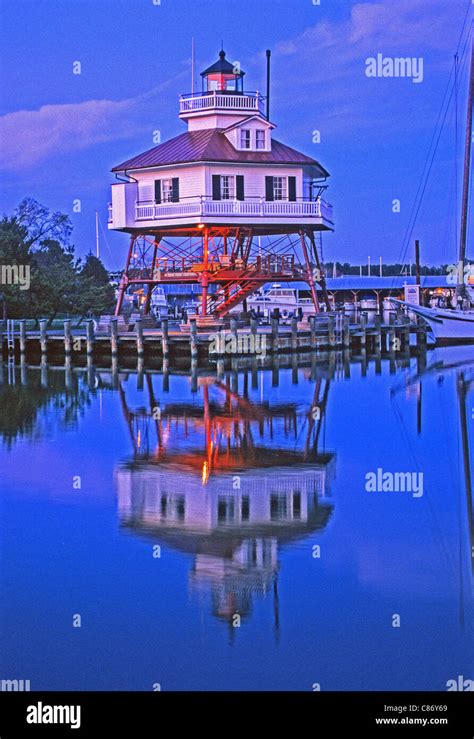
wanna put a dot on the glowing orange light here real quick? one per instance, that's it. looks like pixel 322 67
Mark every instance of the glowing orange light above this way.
pixel 205 473
pixel 200 225
pixel 139 439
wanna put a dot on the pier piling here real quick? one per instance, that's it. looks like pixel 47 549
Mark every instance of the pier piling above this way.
pixel 294 333
pixel 165 344
pixel 193 338
pixel 67 337
pixel 22 337
pixel 274 325
pixel 114 337
pixel 90 337
pixel 140 343
pixel 43 336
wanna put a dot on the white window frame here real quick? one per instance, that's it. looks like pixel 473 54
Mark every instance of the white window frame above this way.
pixel 245 138
pixel 280 188
pixel 260 143
pixel 167 190
pixel 228 187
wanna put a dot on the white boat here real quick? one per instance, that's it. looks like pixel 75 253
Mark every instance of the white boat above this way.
pixel 159 303
pixel 368 303
pixel 286 299
pixel 447 326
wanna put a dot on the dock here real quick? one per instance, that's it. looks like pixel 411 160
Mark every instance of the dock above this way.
pixel 323 332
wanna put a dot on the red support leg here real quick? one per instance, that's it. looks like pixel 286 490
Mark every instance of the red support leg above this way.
pixel 146 309
pixel 205 274
pixel 309 272
pixel 124 280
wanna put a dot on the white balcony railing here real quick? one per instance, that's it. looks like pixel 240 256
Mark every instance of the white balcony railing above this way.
pixel 247 102
pixel 260 208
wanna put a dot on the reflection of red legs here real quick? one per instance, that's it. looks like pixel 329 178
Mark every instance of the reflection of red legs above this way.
pixel 155 415
pixel 315 417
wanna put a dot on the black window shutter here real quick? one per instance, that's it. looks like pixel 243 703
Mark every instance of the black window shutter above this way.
pixel 268 188
pixel 240 187
pixel 157 191
pixel 292 188
pixel 216 187
pixel 175 190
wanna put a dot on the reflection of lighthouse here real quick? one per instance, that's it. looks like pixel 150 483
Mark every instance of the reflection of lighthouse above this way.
pixel 211 489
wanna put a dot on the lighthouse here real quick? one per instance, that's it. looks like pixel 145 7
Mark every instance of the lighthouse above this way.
pixel 224 204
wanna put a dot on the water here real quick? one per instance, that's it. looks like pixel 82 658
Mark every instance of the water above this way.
pixel 161 510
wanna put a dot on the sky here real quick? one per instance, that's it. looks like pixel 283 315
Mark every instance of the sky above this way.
pixel 62 132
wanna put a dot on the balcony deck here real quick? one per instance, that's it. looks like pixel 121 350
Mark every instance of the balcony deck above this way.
pixel 196 103
pixel 204 210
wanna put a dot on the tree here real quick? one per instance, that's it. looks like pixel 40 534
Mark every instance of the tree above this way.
pixel 95 294
pixel 53 280
pixel 14 252
pixel 41 224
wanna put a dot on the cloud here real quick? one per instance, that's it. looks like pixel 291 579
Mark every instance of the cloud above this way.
pixel 30 137
pixel 332 54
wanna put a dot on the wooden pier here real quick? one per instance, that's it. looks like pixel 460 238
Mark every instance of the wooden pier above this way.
pixel 325 332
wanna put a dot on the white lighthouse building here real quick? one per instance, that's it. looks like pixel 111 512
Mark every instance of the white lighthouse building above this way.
pixel 222 182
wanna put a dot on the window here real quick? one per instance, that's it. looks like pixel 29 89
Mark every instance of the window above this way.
pixel 167 191
pixel 280 190
pixel 227 187
pixel 225 510
pixel 245 138
pixel 260 139
pixel 278 507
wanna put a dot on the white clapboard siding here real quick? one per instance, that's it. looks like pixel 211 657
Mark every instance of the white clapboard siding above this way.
pixel 196 180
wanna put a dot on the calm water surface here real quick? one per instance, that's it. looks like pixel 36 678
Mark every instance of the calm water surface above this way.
pixel 163 509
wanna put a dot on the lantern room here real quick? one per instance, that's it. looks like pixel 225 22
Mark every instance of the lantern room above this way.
pixel 222 76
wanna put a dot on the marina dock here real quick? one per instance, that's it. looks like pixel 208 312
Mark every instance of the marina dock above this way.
pixel 324 332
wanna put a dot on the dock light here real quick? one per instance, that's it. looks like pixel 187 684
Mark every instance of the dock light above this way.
pixel 200 225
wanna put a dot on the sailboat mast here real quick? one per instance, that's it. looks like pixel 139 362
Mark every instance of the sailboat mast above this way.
pixel 467 168
pixel 97 234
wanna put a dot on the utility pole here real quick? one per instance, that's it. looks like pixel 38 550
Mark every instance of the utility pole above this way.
pixel 417 262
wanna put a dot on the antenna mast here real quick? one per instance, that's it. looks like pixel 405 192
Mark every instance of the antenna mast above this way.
pixel 97 234
pixel 465 191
